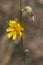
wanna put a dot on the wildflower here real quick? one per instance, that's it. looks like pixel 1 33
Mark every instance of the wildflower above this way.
pixel 14 29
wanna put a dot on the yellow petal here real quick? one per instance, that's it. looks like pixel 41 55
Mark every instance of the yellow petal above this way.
pixel 10 34
pixel 9 29
pixel 19 27
pixel 11 23
pixel 20 34
pixel 22 28
pixel 14 37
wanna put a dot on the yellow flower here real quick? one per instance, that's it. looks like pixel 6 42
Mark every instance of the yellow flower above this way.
pixel 14 29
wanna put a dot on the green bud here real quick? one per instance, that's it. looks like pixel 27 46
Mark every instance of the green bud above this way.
pixel 28 9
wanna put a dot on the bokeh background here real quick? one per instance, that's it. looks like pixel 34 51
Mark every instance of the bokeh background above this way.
pixel 11 51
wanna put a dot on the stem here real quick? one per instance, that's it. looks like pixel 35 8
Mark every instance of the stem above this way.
pixel 20 11
pixel 21 21
pixel 23 51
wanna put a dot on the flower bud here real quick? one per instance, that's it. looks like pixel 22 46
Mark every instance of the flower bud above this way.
pixel 28 9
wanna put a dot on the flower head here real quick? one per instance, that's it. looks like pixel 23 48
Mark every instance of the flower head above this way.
pixel 14 29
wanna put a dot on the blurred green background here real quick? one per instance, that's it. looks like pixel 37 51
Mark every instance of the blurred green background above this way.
pixel 33 34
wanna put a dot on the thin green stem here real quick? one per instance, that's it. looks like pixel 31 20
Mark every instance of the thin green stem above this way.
pixel 20 11
pixel 23 51
pixel 21 21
